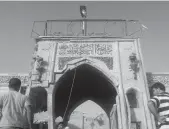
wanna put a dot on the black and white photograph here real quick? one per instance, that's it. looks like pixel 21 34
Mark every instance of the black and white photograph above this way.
pixel 84 65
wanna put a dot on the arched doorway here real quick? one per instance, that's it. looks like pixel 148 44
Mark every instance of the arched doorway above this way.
pixel 89 115
pixel 89 83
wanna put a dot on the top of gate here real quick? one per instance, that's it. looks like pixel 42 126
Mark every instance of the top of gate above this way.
pixel 114 28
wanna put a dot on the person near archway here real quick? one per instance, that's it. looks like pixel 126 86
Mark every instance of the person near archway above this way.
pixel 159 105
pixel 16 108
pixel 60 124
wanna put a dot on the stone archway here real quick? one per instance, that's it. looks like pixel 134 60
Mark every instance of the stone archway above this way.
pixel 89 83
pixel 86 117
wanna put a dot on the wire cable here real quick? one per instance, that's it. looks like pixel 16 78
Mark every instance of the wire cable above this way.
pixel 70 94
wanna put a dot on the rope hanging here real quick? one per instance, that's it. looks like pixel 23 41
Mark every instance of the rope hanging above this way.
pixel 70 94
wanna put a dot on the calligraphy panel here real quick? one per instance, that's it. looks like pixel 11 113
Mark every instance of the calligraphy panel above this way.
pixel 85 49
pixel 69 51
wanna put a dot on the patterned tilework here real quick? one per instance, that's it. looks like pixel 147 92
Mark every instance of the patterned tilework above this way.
pixel 158 77
pixel 4 78
pixel 151 78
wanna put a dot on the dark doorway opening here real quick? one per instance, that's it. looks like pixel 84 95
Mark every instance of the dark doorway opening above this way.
pixel 89 84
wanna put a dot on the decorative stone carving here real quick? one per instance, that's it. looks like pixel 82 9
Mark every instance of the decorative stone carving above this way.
pixel 89 49
pixel 36 47
pixel 4 79
pixel 71 50
pixel 153 77
pixel 107 60
pixel 62 61
pixel 38 69
pixel 35 52
pixel 34 56
pixel 134 64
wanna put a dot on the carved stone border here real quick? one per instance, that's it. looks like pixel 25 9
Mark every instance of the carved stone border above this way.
pixel 158 77
pixel 4 78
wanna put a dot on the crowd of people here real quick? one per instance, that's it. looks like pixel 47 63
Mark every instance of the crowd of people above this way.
pixel 17 108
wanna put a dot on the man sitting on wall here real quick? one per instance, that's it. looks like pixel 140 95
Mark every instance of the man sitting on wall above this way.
pixel 159 105
pixel 16 108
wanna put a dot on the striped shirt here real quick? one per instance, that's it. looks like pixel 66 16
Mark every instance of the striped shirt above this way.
pixel 161 101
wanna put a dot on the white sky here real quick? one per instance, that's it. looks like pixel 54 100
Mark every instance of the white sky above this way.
pixel 17 18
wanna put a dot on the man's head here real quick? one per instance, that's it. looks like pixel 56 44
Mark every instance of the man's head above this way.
pixel 15 84
pixel 157 88
pixel 59 122
pixel 60 125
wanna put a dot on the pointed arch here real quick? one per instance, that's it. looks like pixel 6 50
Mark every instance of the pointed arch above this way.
pixel 98 117
pixel 83 101
pixel 95 63
pixel 92 70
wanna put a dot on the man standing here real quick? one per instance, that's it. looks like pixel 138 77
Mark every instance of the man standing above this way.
pixel 16 108
pixel 159 105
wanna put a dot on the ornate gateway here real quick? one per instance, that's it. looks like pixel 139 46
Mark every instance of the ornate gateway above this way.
pixel 70 67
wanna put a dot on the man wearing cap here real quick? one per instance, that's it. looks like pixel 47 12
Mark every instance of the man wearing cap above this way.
pixel 16 108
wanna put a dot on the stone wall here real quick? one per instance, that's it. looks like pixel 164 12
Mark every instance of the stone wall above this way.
pixel 158 77
pixel 4 80
pixel 151 78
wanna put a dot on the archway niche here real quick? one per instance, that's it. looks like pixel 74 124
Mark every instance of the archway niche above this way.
pixel 133 96
pixel 89 84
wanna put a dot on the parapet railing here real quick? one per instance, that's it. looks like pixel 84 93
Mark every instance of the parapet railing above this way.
pixel 117 28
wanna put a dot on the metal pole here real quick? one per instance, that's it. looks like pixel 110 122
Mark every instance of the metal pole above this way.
pixel 84 27
pixel 83 122
pixel 46 27
pixel 126 31
pixel 83 12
